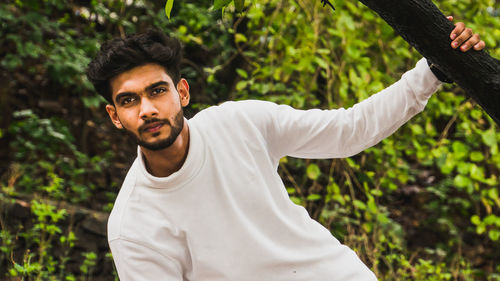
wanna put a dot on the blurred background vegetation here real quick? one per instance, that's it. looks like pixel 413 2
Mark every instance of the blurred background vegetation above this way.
pixel 421 205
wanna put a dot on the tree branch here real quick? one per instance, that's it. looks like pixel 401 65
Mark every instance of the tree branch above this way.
pixel 424 27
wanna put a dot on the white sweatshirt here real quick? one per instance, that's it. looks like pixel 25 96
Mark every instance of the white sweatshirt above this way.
pixel 226 215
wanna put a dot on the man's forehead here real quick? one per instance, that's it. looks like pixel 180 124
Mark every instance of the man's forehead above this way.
pixel 138 78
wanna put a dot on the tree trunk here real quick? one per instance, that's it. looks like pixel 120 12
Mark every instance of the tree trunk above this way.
pixel 424 27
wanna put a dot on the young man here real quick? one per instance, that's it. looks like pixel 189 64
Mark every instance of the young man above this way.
pixel 203 200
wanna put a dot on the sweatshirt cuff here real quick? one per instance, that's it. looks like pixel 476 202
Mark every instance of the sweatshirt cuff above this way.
pixel 422 80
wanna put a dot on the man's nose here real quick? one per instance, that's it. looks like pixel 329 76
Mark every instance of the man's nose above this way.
pixel 148 109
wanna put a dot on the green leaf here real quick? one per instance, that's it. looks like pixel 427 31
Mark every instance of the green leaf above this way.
pixel 462 181
pixel 372 207
pixel 12 272
pixel 494 234
pixel 493 193
pixel 367 227
pixel 313 197
pixel 339 198
pixel 460 149
pixel 239 38
pixel 242 73
pixel 313 171
pixel 489 138
pixel 464 168
pixel 241 85
pixel 18 267
pixel 168 7
pixel 359 204
pixel 476 173
pixel 476 156
pixel 480 229
pixel 218 4
pixel 296 200
pixel 376 192
pixel 491 220
pixel 475 220
pixel 322 63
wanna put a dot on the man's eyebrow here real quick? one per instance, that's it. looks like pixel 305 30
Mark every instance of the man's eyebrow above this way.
pixel 122 95
pixel 156 84
pixel 148 88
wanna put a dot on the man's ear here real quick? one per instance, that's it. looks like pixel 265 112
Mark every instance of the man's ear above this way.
pixel 114 116
pixel 183 89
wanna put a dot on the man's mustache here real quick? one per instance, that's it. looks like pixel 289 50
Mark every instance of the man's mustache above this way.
pixel 144 126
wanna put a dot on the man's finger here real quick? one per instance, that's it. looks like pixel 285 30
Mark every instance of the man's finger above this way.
pixel 470 43
pixel 479 46
pixel 459 28
pixel 463 37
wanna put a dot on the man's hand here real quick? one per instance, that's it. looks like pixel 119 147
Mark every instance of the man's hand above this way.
pixel 464 38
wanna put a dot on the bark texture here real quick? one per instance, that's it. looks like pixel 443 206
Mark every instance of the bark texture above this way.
pixel 424 27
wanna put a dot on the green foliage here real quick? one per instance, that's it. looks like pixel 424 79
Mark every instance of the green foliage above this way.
pixel 45 148
pixel 89 263
pixel 60 53
pixel 44 235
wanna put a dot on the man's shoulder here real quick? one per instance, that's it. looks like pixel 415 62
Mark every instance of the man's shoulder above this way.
pixel 234 110
pixel 235 121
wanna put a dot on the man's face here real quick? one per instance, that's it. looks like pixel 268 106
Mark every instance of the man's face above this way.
pixel 148 105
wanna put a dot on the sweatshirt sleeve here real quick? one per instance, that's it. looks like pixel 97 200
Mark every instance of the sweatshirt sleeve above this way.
pixel 137 262
pixel 345 132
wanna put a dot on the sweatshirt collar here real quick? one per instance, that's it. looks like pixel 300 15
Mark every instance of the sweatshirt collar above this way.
pixel 191 167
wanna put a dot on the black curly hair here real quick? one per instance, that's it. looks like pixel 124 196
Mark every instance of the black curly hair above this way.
pixel 122 54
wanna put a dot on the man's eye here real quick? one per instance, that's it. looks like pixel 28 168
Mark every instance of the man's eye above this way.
pixel 126 101
pixel 157 91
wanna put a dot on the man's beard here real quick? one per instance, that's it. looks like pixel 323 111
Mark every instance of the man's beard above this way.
pixel 175 130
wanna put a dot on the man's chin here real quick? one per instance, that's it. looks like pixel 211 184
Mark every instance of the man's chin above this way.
pixel 157 145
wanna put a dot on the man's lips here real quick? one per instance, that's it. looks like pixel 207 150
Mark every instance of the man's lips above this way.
pixel 153 127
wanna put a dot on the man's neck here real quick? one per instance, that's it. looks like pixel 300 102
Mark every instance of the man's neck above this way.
pixel 163 163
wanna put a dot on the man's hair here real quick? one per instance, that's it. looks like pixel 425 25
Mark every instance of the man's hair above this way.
pixel 122 54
